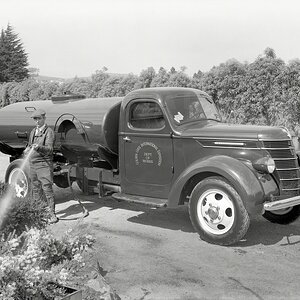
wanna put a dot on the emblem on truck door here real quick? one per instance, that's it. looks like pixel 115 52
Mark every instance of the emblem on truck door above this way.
pixel 148 153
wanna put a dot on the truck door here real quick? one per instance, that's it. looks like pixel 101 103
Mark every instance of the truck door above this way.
pixel 148 150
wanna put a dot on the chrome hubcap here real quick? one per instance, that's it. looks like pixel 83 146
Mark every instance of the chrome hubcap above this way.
pixel 18 182
pixel 215 212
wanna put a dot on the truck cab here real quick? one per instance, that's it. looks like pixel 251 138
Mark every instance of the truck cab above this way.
pixel 169 147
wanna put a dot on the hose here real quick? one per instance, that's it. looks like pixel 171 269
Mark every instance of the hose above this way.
pixel 85 212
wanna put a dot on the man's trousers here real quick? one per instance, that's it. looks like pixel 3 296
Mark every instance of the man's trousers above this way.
pixel 41 175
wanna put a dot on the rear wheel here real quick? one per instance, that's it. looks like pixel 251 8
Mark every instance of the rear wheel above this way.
pixel 17 177
pixel 217 212
pixel 283 216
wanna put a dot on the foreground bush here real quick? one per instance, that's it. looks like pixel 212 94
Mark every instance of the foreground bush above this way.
pixel 22 213
pixel 35 264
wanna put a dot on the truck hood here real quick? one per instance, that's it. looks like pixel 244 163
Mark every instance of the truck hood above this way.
pixel 212 129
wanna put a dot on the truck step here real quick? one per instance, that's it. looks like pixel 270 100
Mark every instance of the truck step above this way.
pixel 156 202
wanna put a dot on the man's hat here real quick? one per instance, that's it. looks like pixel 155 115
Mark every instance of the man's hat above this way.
pixel 38 113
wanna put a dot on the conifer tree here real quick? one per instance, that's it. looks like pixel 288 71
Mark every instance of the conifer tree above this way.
pixel 13 58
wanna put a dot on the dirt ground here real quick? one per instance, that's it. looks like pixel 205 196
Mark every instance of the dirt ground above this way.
pixel 149 253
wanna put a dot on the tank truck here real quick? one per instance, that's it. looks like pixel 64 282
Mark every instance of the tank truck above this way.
pixel 164 147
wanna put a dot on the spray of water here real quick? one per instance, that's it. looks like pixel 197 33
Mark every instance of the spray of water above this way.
pixel 13 188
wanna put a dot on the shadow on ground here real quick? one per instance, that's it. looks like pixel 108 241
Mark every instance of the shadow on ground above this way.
pixel 264 232
pixel 260 231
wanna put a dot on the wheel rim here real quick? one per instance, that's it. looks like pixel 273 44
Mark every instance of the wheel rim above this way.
pixel 18 181
pixel 215 212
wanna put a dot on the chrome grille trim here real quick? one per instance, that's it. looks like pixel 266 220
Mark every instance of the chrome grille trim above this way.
pixel 295 189
pixel 275 158
pixel 286 162
pixel 288 169
pixel 276 148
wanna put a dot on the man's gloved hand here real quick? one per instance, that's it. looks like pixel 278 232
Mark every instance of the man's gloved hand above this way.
pixel 27 149
pixel 34 146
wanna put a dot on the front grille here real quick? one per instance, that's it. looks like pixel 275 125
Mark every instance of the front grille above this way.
pixel 278 153
pixel 287 165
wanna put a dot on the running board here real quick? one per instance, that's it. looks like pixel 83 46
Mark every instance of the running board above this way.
pixel 156 202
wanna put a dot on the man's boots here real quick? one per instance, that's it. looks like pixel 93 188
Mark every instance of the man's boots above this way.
pixel 53 218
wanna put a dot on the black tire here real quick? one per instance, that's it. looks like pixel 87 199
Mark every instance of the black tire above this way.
pixel 217 212
pixel 17 177
pixel 61 181
pixel 283 216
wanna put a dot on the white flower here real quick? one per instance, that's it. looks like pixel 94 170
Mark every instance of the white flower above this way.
pixel 63 276
pixel 78 257
pixel 13 243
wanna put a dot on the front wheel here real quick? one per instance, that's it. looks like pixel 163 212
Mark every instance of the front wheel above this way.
pixel 217 212
pixel 17 177
pixel 283 216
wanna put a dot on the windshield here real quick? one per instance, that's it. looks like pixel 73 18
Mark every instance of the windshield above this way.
pixel 191 107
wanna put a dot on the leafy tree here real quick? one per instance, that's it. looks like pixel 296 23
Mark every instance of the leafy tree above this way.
pixel 3 95
pixel 128 84
pixel 112 87
pixel 161 78
pixel 80 86
pixel 262 96
pixel 196 81
pixel 269 52
pixel 225 84
pixel 9 93
pixel 33 72
pixel 3 62
pixel 98 80
pixel 13 58
pixel 289 105
pixel 179 79
pixel 172 70
pixel 145 78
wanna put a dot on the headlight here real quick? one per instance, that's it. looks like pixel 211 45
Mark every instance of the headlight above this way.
pixel 264 164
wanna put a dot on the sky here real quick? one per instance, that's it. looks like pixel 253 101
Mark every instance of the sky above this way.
pixel 68 38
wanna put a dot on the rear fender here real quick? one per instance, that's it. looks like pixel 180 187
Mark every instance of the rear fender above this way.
pixel 66 118
pixel 6 149
pixel 241 177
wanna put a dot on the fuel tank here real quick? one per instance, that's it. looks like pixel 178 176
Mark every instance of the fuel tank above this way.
pixel 80 125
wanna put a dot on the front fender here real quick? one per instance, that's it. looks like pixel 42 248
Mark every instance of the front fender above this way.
pixel 241 177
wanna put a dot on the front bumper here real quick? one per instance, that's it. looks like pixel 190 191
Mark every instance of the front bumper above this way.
pixel 282 204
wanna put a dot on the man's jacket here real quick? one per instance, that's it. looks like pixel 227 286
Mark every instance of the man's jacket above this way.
pixel 45 141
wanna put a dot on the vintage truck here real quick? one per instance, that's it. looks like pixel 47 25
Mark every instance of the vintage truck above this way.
pixel 164 146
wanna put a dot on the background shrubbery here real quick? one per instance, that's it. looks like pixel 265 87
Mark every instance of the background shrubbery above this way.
pixel 265 91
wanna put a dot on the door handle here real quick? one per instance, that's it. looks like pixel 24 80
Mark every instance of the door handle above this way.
pixel 127 139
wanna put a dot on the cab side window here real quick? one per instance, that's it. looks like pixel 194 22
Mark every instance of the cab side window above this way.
pixel 146 115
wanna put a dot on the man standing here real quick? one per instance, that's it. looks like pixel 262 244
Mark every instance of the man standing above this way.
pixel 41 139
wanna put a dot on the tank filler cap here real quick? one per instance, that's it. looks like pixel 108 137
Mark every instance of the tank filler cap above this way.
pixel 67 97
